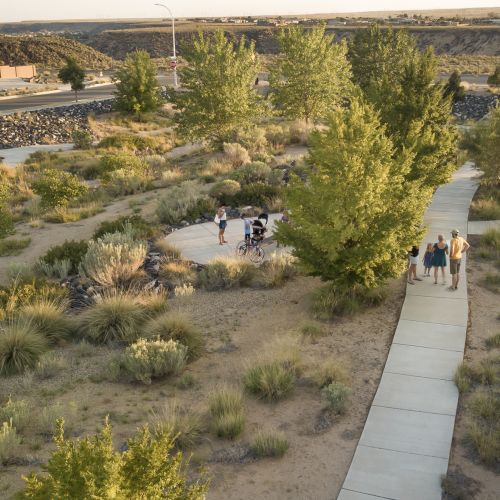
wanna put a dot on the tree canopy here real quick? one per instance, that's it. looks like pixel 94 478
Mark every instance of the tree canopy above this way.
pixel 311 75
pixel 74 74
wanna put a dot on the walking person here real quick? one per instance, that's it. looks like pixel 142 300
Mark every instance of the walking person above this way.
pixel 412 268
pixel 427 260
pixel 221 220
pixel 458 246
pixel 439 258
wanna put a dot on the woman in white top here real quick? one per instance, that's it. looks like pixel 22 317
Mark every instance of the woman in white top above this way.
pixel 221 220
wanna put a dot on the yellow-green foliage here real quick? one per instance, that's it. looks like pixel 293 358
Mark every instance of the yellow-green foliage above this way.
pixel 91 468
pixel 9 441
pixel 226 409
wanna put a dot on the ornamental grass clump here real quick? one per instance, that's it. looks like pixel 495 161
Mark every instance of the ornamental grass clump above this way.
pixel 226 410
pixel 277 270
pixel 177 272
pixel 18 412
pixel 20 347
pixel 113 318
pixel 9 442
pixel 175 326
pixel 113 259
pixel 223 273
pixel 148 359
pixel 269 444
pixel 48 318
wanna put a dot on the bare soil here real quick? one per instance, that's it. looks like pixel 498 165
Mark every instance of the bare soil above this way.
pixel 483 323
pixel 236 325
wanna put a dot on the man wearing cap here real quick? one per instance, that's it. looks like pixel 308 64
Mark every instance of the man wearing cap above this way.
pixel 457 246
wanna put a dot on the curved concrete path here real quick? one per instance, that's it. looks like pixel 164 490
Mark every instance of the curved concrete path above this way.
pixel 405 445
pixel 199 242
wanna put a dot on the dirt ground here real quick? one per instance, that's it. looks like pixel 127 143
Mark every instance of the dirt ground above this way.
pixel 484 308
pixel 236 324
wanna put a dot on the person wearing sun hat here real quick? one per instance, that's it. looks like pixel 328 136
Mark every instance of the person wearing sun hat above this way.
pixel 458 245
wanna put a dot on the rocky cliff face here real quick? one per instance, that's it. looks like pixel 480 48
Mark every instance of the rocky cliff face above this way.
pixel 446 40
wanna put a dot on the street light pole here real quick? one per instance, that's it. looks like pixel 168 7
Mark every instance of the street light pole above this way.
pixel 174 58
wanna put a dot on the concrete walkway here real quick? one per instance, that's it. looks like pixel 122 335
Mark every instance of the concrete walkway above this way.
pixel 405 445
pixel 199 242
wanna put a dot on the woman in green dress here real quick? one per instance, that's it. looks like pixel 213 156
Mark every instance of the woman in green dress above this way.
pixel 439 258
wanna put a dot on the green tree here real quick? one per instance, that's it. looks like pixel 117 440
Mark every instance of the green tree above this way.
pixel 399 81
pixel 137 88
pixel 494 79
pixel 454 87
pixel 57 188
pixel 311 75
pixel 219 97
pixel 74 74
pixel 91 468
pixel 355 216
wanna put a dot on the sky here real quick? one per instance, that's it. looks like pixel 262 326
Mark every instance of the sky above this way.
pixel 20 10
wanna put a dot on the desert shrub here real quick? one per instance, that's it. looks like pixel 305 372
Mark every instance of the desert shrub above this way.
pixel 154 302
pixel 269 444
pixel 48 318
pixel 170 251
pixel 224 190
pixel 491 239
pixel 71 250
pixel 257 194
pixel 227 412
pixel 13 247
pixel 277 134
pixel 20 347
pixel 216 166
pixel 184 291
pixel 60 269
pixel 331 301
pixel 171 175
pixel 18 412
pixel 185 427
pixel 113 259
pixel 223 273
pixel 90 467
pixel 124 183
pixel 336 395
pixel 128 142
pixel 46 421
pixel 330 372
pixel 134 225
pixel 487 209
pixel 57 188
pixel 276 271
pixel 300 131
pixel 9 442
pixel 125 163
pixel 177 272
pixel 236 154
pixel 147 359
pixel 183 202
pixel 114 317
pixel 491 281
pixel 172 326
pixel 186 381
pixel 250 173
pixel 82 139
pixel 493 342
pixel 312 330
pixel 6 221
pixel 485 441
pixel 253 139
pixel 272 381
pixel 486 372
pixel 49 365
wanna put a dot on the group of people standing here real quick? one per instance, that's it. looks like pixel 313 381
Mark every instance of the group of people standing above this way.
pixel 435 257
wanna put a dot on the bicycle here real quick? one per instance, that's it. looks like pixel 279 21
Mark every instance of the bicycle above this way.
pixel 252 250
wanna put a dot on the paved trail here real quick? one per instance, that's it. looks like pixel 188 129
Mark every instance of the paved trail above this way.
pixel 405 445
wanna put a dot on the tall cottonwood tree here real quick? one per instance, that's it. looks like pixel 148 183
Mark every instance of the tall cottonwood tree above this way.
pixel 311 74
pixel 74 74
pixel 399 81
pixel 355 216
pixel 137 88
pixel 219 95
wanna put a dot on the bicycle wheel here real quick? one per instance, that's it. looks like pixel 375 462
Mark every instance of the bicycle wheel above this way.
pixel 241 249
pixel 257 256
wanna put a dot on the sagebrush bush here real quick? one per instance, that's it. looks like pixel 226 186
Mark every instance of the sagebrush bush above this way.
pixel 134 225
pixel 20 347
pixel 224 190
pixel 46 420
pixel 177 272
pixel 9 442
pixel 277 270
pixel 47 318
pixel 236 154
pixel 113 259
pixel 227 411
pixel 90 467
pixel 257 194
pixel 60 269
pixel 300 132
pixel 330 371
pixel 114 317
pixel 122 163
pixel 185 427
pixel 82 139
pixel 216 167
pixel 147 359
pixel 175 326
pixel 57 188
pixel 223 273
pixel 336 395
pixel 269 444
pixel 251 173
pixel 18 412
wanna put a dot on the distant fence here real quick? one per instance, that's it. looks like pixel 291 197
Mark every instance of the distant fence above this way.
pixel 18 71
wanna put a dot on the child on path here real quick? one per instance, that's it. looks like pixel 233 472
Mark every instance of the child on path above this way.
pixel 429 252
pixel 248 227
pixel 412 268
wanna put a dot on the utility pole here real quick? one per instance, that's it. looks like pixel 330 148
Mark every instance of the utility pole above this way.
pixel 173 59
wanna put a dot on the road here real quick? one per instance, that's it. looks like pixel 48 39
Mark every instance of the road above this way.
pixel 26 103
